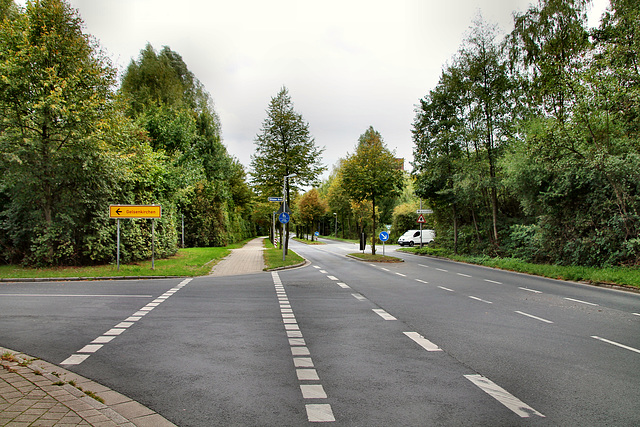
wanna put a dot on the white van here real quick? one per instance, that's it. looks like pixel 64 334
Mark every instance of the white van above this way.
pixel 412 237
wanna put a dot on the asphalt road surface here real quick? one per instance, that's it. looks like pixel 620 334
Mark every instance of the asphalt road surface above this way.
pixel 422 343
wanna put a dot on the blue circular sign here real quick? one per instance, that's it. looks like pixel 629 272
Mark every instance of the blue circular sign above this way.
pixel 316 233
pixel 384 236
pixel 283 217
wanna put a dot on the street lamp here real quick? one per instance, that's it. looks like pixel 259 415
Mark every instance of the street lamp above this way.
pixel 285 236
pixel 336 217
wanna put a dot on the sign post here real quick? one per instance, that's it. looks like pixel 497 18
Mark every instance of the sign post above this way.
pixel 118 212
pixel 283 218
pixel 384 236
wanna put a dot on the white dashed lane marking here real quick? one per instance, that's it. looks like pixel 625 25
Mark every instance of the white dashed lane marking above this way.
pixel 529 290
pixel 480 299
pixel 501 395
pixel 305 369
pixel 534 317
pixel 386 316
pixel 422 341
pixel 581 302
pixel 118 329
pixel 617 344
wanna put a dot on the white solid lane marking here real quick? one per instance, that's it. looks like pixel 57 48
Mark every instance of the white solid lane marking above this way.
pixel 480 299
pixel 400 274
pixel 534 317
pixel 446 289
pixel 421 281
pixel 529 290
pixel 77 295
pixel 386 316
pixel 319 413
pixel 76 359
pixel 312 391
pixel 307 374
pixel 303 362
pixel 422 341
pixel 581 302
pixel 332 278
pixel 463 275
pixel 359 297
pixel 90 348
pixel 626 347
pixel 501 395
pixel 492 281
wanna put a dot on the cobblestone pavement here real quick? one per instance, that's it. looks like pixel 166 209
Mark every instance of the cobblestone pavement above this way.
pixel 37 393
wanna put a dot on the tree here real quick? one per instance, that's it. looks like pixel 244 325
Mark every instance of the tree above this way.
pixel 310 208
pixel 371 172
pixel 55 92
pixel 284 147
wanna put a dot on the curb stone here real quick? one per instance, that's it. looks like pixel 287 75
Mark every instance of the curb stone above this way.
pixel 36 392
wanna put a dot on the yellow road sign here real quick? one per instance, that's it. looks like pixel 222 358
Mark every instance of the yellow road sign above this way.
pixel 135 211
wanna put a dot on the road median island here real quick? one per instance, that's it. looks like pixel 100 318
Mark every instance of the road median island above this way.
pixel 375 258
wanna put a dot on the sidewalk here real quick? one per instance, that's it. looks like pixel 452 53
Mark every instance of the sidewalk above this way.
pixel 38 393
pixel 246 260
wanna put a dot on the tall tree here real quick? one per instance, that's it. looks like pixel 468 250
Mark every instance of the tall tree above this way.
pixel 371 173
pixel 55 90
pixel 284 147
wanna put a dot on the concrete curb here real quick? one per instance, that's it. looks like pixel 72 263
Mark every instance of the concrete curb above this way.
pixel 83 279
pixel 38 392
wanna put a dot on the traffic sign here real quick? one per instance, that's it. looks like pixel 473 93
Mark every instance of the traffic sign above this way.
pixel 424 211
pixel 283 217
pixel 384 236
pixel 275 199
pixel 317 233
pixel 421 219
pixel 135 211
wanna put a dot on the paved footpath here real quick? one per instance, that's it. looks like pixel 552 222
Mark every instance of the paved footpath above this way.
pixel 38 393
pixel 246 260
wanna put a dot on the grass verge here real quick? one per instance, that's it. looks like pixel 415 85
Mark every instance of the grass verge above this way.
pixel 187 262
pixel 375 258
pixel 273 257
pixel 308 242
pixel 623 276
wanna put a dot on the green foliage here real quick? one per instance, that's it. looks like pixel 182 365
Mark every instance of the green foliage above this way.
pixel 284 146
pixel 371 173
pixel 562 185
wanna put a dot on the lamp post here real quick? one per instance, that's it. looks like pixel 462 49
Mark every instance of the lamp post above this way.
pixel 285 240
pixel 335 215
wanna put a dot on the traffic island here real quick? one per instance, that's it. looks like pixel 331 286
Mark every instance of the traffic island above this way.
pixel 375 258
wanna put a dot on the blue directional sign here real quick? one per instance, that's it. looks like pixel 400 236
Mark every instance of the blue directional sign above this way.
pixel 283 217
pixel 384 236
pixel 317 233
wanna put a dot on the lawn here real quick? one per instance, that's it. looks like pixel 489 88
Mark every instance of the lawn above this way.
pixel 187 262
pixel 273 257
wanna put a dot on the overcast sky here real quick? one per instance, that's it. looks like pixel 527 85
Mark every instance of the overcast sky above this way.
pixel 348 64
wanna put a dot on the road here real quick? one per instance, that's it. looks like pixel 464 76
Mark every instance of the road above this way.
pixel 424 342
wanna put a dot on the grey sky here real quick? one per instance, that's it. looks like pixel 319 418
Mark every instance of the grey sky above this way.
pixel 348 64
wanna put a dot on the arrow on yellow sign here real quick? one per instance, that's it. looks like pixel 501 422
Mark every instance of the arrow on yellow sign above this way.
pixel 135 211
